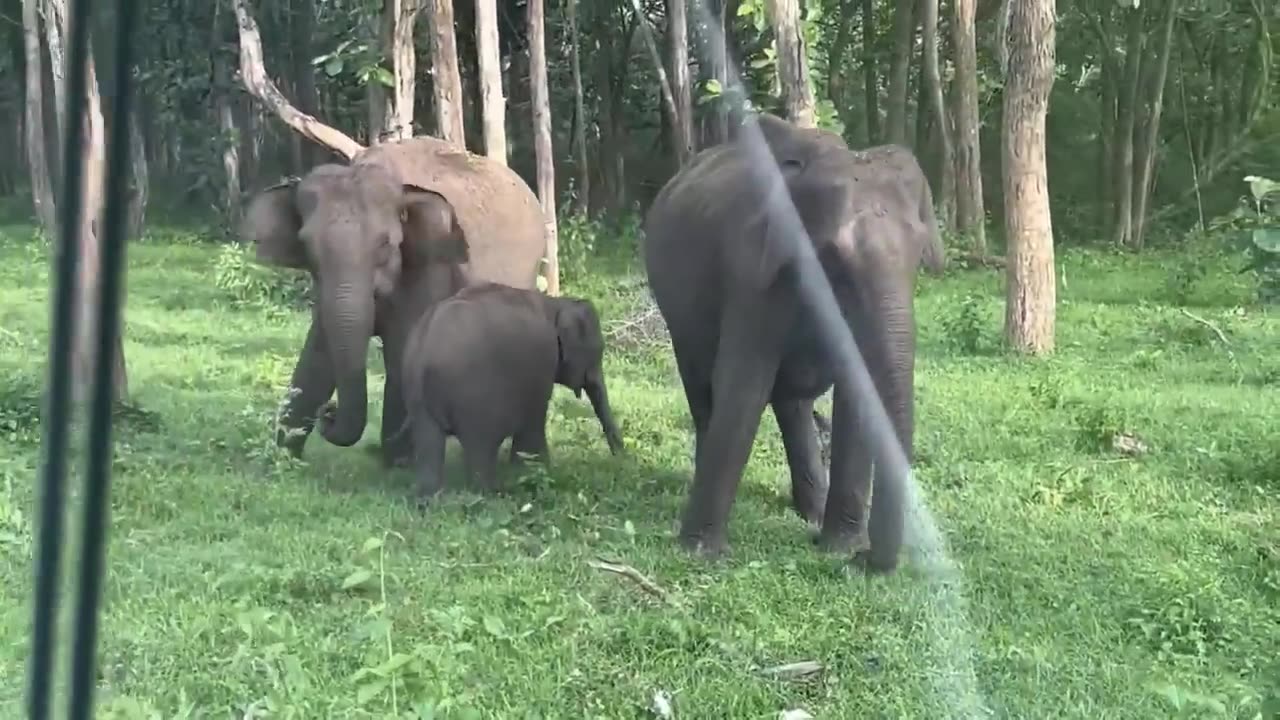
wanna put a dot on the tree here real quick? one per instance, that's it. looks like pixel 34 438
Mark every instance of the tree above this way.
pixel 541 96
pixel 678 45
pixel 404 65
pixel 495 105
pixel 38 164
pixel 932 76
pixel 904 26
pixel 1029 66
pixel 582 195
pixel 793 67
pixel 970 213
pixel 444 72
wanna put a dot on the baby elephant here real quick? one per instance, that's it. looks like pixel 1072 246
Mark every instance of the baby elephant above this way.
pixel 481 366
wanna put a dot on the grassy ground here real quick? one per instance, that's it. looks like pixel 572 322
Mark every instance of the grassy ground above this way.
pixel 1097 586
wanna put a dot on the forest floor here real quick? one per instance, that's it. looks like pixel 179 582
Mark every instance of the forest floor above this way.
pixel 1095 584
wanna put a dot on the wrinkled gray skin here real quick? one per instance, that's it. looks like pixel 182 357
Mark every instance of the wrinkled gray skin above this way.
pixel 405 225
pixel 481 366
pixel 725 279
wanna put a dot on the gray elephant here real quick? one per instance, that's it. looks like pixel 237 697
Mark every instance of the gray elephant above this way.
pixel 481 366
pixel 724 273
pixel 405 225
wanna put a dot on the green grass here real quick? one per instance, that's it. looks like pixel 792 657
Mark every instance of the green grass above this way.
pixel 1097 586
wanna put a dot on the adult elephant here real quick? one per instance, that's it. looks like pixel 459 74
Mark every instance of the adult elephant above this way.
pixel 723 268
pixel 405 225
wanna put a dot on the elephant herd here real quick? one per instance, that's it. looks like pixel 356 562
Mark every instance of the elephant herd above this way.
pixel 436 252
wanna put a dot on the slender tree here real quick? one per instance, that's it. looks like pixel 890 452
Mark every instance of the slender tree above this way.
pixel 444 72
pixel 494 104
pixel 1029 63
pixel 678 46
pixel 970 213
pixel 582 197
pixel 793 66
pixel 542 148
pixel 38 164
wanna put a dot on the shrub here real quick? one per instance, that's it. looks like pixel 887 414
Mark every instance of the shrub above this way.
pixel 249 284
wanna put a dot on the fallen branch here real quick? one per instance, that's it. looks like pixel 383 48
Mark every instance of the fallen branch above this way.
pixel 1216 330
pixel 253 73
pixel 633 575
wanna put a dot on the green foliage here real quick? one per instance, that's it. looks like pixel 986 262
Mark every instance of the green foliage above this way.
pixel 966 324
pixel 247 283
pixel 1263 246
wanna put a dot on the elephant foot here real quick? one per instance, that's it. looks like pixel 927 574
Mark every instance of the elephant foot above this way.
pixel 841 541
pixel 810 504
pixel 875 563
pixel 293 440
pixel 707 545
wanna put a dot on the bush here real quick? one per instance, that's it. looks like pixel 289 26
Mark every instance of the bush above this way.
pixel 249 284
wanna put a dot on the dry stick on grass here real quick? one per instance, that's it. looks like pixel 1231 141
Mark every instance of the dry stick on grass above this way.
pixel 1216 330
pixel 635 576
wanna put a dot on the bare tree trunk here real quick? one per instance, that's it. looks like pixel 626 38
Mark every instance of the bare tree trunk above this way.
pixel 494 105
pixel 793 66
pixel 718 62
pixel 870 73
pixel 52 11
pixel 836 77
pixel 542 139
pixel 1147 160
pixel 404 66
pixel 970 212
pixel 1032 292
pixel 41 184
pixel 229 139
pixel 582 196
pixel 140 175
pixel 1122 227
pixel 904 27
pixel 378 95
pixel 678 45
pixel 447 84
pixel 938 104
pixel 664 82
pixel 304 76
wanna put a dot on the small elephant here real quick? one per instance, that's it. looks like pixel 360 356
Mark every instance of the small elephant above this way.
pixel 405 225
pixel 481 366
pixel 724 269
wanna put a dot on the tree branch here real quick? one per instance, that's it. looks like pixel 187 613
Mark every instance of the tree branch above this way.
pixel 253 74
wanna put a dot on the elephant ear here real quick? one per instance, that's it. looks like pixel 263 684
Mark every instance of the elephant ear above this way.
pixel 271 223
pixel 574 324
pixel 431 229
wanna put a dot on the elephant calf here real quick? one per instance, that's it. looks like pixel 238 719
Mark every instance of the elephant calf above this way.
pixel 481 366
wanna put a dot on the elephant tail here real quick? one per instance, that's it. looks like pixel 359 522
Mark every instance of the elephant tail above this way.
pixel 933 257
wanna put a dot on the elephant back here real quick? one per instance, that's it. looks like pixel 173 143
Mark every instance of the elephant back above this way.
pixel 499 214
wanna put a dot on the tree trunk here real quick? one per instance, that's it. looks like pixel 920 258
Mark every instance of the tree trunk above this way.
pixel 447 83
pixel 1108 124
pixel 836 78
pixel 41 184
pixel 938 104
pixel 718 70
pixel 543 151
pixel 302 28
pixel 793 66
pixel 1032 293
pixel 1122 227
pixel 229 139
pixel 140 176
pixel 870 72
pixel 904 27
pixel 1147 160
pixel 582 194
pixel 404 66
pixel 678 45
pixel 493 103
pixel 970 212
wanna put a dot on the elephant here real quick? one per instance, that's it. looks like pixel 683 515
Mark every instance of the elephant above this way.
pixel 724 272
pixel 406 224
pixel 481 366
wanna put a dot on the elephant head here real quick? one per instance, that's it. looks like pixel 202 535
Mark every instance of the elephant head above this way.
pixel 581 361
pixel 355 229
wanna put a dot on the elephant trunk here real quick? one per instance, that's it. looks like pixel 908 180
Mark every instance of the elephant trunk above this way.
pixel 347 313
pixel 599 397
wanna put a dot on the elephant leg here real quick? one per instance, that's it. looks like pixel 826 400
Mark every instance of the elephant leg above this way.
pixel 746 365
pixel 396 451
pixel 312 383
pixel 804 457
pixel 480 456
pixel 429 440
pixel 697 393
pixel 532 440
pixel 844 517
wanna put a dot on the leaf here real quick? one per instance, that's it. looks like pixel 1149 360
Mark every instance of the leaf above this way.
pixel 333 66
pixel 763 62
pixel 1261 187
pixel 373 543
pixel 358 577
pixel 713 86
pixel 371 690
pixel 1267 239
pixel 384 76
pixel 391 665
pixel 495 627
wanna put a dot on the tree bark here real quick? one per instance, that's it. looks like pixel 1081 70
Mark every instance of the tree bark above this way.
pixel 543 151
pixel 793 66
pixel 302 29
pixel 870 72
pixel 1122 225
pixel 404 67
pixel 229 140
pixel 1147 160
pixel 904 27
pixel 447 83
pixel 33 123
pixel 254 75
pixel 140 175
pixel 678 45
pixel 582 195
pixel 1032 293
pixel 493 103
pixel 938 104
pixel 970 211
pixel 718 70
